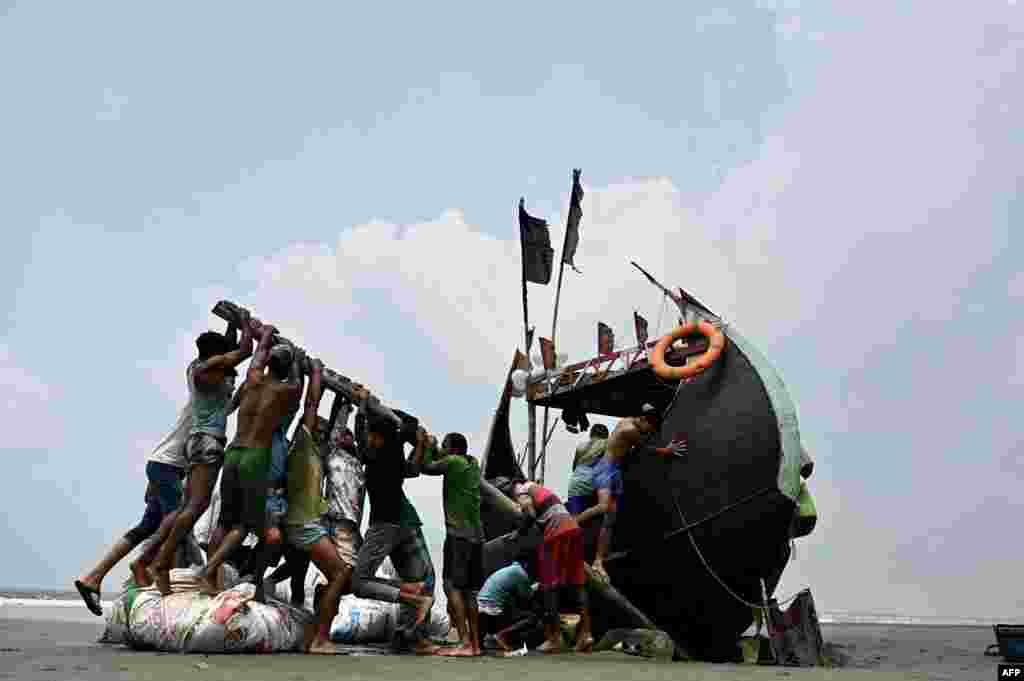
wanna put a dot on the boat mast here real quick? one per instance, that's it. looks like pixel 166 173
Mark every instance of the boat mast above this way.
pixel 554 326
pixel 531 446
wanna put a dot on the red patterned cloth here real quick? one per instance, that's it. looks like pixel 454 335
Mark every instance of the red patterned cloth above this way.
pixel 560 558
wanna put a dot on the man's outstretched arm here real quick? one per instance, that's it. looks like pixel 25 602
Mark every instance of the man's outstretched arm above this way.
pixel 262 356
pixel 414 464
pixel 313 396
pixel 432 463
pixel 600 508
pixel 228 360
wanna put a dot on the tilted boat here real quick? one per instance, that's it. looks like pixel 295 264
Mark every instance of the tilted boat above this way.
pixel 700 538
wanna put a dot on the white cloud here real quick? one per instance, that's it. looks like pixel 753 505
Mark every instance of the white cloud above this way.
pixel 27 407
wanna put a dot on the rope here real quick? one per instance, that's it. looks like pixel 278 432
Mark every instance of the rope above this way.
pixel 757 606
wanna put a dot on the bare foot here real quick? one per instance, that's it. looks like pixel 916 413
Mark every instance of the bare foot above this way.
pixel 205 585
pixel 140 574
pixel 424 647
pixel 423 608
pixel 461 651
pixel 585 645
pixel 161 578
pixel 322 647
pixel 550 648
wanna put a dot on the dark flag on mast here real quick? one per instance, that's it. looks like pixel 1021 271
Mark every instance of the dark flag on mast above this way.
pixel 605 339
pixel 572 225
pixel 538 256
pixel 640 324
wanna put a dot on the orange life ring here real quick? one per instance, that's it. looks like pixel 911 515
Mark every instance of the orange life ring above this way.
pixel 716 343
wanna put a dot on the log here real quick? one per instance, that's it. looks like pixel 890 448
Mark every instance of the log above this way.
pixel 342 385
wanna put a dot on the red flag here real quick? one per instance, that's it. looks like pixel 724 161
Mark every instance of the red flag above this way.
pixel 547 352
pixel 640 325
pixel 605 339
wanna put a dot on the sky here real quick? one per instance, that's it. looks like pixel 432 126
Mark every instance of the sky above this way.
pixel 839 182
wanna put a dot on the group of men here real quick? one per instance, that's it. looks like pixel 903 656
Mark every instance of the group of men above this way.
pixel 303 500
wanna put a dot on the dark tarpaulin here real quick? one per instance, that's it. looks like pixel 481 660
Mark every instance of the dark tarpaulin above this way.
pixel 538 256
pixel 572 226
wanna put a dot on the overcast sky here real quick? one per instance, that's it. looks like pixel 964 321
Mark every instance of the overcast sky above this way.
pixel 839 184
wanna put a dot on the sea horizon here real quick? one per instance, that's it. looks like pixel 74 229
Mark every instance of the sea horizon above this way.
pixel 66 598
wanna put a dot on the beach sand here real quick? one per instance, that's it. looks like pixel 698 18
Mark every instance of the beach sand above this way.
pixel 58 644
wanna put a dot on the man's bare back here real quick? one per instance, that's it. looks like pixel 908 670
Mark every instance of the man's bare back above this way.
pixel 627 434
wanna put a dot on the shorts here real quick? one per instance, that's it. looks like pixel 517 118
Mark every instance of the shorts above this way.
pixel 347 541
pixel 609 476
pixel 577 505
pixel 560 561
pixel 163 494
pixel 204 449
pixel 243 488
pixel 277 506
pixel 306 536
pixel 463 564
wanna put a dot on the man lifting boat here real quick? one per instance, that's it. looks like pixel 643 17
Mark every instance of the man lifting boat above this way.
pixel 211 378
pixel 628 434
pixel 264 402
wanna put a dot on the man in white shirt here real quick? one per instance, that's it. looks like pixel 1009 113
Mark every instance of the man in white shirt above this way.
pixel 166 467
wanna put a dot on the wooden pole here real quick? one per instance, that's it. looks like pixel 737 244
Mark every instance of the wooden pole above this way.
pixel 531 442
pixel 332 380
pixel 554 327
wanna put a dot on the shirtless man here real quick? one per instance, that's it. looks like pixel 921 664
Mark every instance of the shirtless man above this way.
pixel 211 380
pixel 271 545
pixel 243 487
pixel 629 433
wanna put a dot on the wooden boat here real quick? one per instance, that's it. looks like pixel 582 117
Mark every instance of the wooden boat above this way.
pixel 701 538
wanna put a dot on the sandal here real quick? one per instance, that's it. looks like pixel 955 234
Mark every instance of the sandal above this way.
pixel 91 597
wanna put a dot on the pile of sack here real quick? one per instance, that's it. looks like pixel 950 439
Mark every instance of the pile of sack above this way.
pixel 188 621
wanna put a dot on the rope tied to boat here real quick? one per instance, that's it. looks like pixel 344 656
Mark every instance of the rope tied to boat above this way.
pixel 763 606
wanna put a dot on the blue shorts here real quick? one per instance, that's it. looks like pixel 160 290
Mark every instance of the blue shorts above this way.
pixel 277 508
pixel 577 505
pixel 166 484
pixel 609 476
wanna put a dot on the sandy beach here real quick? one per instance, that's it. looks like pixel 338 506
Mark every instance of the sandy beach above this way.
pixel 59 644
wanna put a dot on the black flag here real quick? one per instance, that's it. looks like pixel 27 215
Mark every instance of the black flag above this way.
pixel 572 225
pixel 538 256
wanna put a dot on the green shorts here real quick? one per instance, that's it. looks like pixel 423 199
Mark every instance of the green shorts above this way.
pixel 243 488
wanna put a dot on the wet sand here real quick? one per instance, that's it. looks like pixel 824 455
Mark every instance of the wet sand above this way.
pixel 58 644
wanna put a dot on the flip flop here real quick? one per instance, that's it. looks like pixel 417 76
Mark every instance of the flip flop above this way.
pixel 91 597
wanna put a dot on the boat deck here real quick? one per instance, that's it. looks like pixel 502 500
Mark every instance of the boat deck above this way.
pixel 613 384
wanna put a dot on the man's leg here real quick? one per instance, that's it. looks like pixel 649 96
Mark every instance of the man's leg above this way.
pixel 325 557
pixel 201 479
pixel 382 540
pixel 457 559
pixel 412 562
pixel 245 473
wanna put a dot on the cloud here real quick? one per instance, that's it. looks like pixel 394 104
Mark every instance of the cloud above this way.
pixel 27 406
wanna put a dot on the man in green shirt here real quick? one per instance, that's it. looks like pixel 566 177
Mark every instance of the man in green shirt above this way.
pixel 463 544
pixel 303 527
